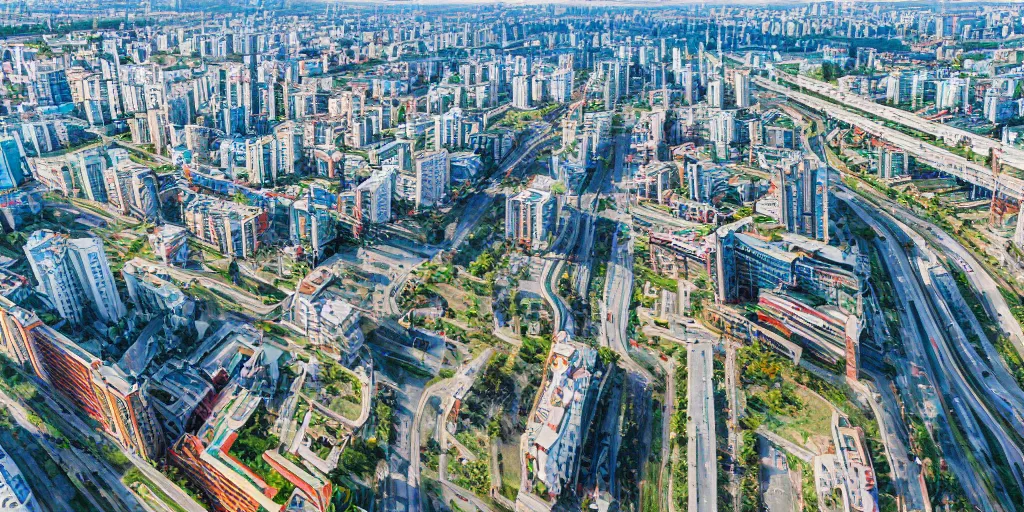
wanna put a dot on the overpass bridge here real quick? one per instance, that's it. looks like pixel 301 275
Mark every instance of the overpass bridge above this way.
pixel 952 136
pixel 1000 184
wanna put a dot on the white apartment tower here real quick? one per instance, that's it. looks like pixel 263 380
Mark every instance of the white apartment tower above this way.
pixel 73 274
pixel 521 92
pixel 741 86
pixel 432 177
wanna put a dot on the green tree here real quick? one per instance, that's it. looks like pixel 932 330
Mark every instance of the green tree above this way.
pixel 233 270
pixel 607 355
pixel 743 212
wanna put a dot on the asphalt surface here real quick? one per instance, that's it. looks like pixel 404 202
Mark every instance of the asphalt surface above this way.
pixel 917 336
pixel 702 463
pixel 1011 155
pixel 777 489
pixel 934 156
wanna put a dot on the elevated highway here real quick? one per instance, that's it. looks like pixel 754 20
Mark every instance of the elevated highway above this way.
pixel 950 135
pixel 941 159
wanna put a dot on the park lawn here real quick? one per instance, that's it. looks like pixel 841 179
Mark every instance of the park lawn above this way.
pixel 508 454
pixel 345 407
pixel 810 426
pixel 151 494
pixel 474 476
pixel 461 295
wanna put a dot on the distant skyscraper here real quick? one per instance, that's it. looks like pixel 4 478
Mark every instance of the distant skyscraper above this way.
pixel 689 94
pixel 561 85
pixel 716 94
pixel 521 92
pixel 741 86
pixel 51 88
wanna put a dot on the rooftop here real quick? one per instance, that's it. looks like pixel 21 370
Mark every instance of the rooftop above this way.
pixel 15 494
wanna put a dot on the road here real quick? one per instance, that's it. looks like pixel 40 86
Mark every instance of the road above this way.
pixel 702 463
pixel 463 379
pixel 934 156
pixel 1011 155
pixel 986 387
pixel 777 491
pixel 86 466
pixel 251 302
pixel 982 282
pixel 669 410
pixel 575 242
pixel 618 291
pixel 896 438
pixel 732 401
pixel 107 141
pixel 44 490
pixel 913 315
pixel 563 319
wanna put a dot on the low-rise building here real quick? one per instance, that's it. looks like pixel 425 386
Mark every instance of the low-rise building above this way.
pixel 555 429
pixel 153 294
pixel 170 243
pixel 326 320
pixel 205 458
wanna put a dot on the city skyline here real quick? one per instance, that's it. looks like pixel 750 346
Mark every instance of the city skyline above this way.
pixel 422 256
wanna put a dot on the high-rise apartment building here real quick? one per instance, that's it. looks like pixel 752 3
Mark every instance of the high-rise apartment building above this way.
pixel 432 177
pixel 805 198
pixel 231 227
pixel 521 92
pixel 529 216
pixel 373 198
pixel 132 188
pixel 73 274
pixel 561 85
pixel 448 129
pixel 741 88
pixel 12 163
pixel 716 94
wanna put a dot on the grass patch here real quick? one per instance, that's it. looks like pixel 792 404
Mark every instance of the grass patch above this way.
pixel 145 488
pixel 813 418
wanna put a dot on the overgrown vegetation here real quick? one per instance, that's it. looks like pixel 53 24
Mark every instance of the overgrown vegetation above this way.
pixel 253 440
